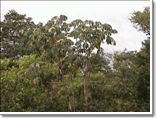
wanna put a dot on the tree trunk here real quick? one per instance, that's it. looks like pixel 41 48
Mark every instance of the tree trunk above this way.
pixel 85 69
pixel 85 92
pixel 60 73
pixel 69 105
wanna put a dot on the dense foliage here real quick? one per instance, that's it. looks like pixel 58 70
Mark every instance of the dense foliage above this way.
pixel 61 67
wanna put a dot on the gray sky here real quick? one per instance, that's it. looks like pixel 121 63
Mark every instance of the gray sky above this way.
pixel 115 13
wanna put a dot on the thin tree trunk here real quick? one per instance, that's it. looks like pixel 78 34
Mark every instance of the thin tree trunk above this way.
pixel 73 102
pixel 69 104
pixel 60 73
pixel 86 84
pixel 85 92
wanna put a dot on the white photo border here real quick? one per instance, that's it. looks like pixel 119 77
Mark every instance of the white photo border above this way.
pixel 151 113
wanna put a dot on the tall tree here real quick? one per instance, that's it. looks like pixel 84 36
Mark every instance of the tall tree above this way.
pixel 15 34
pixel 59 43
pixel 141 20
pixel 89 35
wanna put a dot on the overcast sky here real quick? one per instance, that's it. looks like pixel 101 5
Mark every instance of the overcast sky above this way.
pixel 115 13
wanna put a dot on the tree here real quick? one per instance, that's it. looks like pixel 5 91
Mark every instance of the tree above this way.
pixel 125 69
pixel 15 35
pixel 88 36
pixel 143 63
pixel 38 39
pixel 59 43
pixel 141 20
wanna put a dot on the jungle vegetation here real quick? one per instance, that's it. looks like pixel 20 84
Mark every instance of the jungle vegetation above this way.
pixel 62 67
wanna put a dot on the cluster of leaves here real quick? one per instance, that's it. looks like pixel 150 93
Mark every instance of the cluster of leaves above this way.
pixel 61 67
